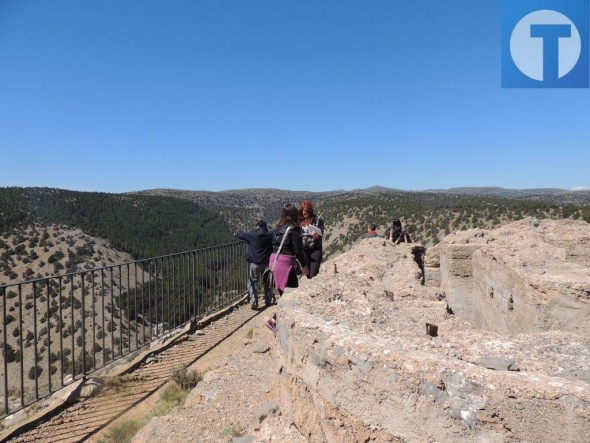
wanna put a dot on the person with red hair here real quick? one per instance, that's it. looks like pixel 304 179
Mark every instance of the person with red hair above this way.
pixel 312 228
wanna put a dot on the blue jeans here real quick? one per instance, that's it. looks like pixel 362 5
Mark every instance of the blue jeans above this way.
pixel 254 277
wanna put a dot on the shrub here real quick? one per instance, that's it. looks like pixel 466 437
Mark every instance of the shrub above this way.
pixel 10 354
pixel 186 379
pixel 32 372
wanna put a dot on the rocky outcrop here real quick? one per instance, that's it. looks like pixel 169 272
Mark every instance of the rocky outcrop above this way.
pixel 358 365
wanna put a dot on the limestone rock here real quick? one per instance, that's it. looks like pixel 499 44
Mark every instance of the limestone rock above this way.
pixel 260 348
pixel 265 409
pixel 498 363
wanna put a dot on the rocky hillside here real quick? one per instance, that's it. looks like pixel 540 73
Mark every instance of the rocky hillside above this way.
pixel 42 251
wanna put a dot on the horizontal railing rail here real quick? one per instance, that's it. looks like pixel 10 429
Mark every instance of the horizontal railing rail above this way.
pixel 58 329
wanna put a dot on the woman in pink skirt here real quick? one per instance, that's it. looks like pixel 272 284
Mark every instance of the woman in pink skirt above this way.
pixel 291 251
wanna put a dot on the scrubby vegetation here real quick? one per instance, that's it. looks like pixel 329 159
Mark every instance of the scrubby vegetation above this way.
pixel 173 394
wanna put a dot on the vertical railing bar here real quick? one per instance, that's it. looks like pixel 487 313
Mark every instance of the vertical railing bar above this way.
pixel 112 320
pixel 198 286
pixel 225 276
pixel 212 301
pixel 149 301
pixel 128 310
pixel 180 289
pixel 216 278
pixel 83 316
pixel 36 339
pixel 174 293
pixel 208 286
pixel 104 332
pixel 142 305
pixel 156 293
pixel 73 330
pixel 5 352
pixel 184 282
pixel 61 332
pixel 205 301
pixel 194 297
pixel 22 355
pixel 93 352
pixel 219 272
pixel 120 312
pixel 48 337
pixel 187 287
pixel 236 267
pixel 168 298
pixel 212 279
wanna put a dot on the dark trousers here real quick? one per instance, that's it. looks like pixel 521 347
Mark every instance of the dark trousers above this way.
pixel 314 259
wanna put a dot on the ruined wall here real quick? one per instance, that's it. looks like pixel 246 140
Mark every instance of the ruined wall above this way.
pixel 357 365
pixel 525 277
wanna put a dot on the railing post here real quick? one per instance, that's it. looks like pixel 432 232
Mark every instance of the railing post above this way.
pixel 47 288
pixel 5 351
pixel 22 355
pixel 61 336
pixel 82 296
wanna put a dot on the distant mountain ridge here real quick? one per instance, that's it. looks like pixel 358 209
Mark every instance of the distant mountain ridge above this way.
pixel 504 192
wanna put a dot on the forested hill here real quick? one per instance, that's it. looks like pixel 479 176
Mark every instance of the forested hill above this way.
pixel 142 225
pixel 428 215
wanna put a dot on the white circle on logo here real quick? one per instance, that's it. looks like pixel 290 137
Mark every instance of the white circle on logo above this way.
pixel 527 52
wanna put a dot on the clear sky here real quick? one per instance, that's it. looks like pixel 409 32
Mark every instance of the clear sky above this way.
pixel 121 96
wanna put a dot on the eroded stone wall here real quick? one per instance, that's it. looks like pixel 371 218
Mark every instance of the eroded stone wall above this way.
pixel 528 276
pixel 357 364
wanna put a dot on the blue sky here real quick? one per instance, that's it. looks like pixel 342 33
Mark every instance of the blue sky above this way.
pixel 121 96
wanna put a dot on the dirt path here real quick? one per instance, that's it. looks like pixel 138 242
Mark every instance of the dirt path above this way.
pixel 238 396
pixel 83 420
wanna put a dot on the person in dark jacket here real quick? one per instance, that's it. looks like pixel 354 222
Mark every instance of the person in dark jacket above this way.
pixel 396 233
pixel 258 252
pixel 284 262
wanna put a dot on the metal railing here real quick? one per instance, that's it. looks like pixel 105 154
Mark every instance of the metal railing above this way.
pixel 56 330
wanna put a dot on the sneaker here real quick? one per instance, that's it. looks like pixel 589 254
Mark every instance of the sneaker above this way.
pixel 270 324
pixel 254 305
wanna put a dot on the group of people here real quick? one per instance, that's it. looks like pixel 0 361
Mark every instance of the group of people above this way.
pixel 292 248
pixel 395 233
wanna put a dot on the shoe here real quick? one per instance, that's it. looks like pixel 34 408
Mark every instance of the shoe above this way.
pixel 270 324
pixel 254 305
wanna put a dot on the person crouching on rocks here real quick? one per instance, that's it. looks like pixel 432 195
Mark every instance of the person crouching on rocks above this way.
pixel 312 228
pixel 259 249
pixel 372 232
pixel 287 250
